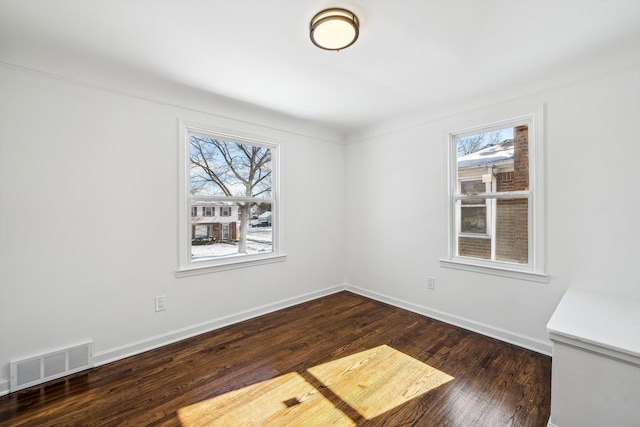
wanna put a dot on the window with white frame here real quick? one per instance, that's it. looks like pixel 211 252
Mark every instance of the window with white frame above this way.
pixel 236 174
pixel 495 205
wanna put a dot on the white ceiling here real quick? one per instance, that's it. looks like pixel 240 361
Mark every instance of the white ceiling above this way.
pixel 411 55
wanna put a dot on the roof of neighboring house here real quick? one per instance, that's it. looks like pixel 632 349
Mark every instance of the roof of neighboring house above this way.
pixel 491 155
pixel 212 203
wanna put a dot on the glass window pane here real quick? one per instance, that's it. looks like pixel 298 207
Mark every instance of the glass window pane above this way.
pixel 260 231
pixel 474 247
pixel 485 147
pixel 227 168
pixel 472 187
pixel 473 219
pixel 512 230
pixel 235 229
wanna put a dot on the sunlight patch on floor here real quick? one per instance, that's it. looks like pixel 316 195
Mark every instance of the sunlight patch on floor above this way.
pixel 377 380
pixel 338 393
pixel 277 402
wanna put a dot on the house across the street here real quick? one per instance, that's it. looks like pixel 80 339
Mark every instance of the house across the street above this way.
pixel 214 222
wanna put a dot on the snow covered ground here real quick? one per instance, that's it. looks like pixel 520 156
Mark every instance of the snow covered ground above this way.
pixel 258 241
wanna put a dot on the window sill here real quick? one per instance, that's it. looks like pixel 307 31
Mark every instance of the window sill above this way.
pixel 495 270
pixel 227 264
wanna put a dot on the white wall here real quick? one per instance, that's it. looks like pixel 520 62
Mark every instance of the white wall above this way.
pixel 88 216
pixel 395 183
pixel 88 219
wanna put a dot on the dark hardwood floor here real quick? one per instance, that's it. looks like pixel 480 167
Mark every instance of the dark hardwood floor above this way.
pixel 338 360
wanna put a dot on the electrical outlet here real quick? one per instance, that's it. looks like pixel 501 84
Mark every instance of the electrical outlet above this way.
pixel 161 303
pixel 431 283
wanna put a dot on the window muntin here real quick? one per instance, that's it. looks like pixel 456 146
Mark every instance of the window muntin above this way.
pixel 232 178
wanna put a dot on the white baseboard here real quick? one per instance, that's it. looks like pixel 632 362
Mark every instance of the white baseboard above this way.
pixel 131 349
pixel 550 424
pixel 530 343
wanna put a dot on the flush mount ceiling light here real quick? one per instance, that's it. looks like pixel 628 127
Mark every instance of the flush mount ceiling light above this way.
pixel 334 29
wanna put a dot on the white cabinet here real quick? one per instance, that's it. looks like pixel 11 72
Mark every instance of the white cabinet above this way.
pixel 595 378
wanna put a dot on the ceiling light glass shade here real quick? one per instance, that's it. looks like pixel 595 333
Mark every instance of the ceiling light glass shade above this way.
pixel 334 29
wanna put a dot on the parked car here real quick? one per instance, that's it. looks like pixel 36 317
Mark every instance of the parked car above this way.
pixel 202 241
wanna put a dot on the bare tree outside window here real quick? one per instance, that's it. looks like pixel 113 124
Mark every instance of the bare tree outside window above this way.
pixel 471 144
